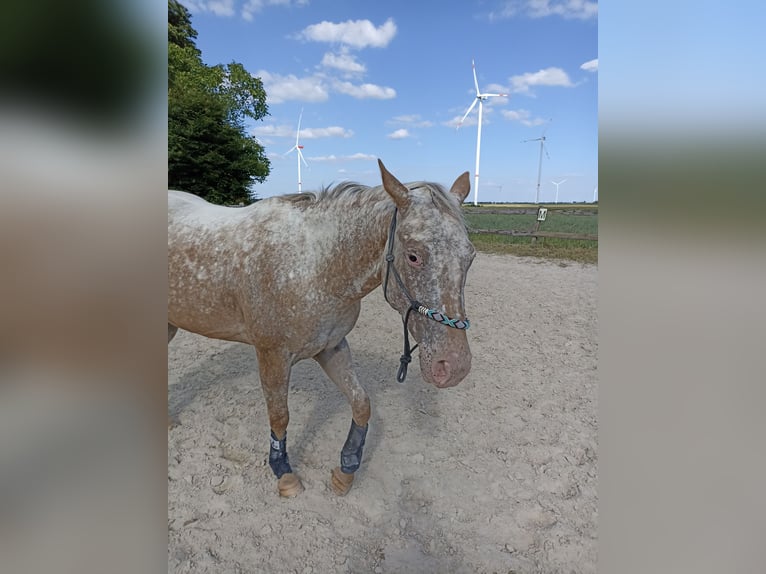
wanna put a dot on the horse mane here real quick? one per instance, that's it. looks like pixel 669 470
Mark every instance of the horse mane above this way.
pixel 349 194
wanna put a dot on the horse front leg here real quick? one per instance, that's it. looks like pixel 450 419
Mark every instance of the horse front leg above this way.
pixel 336 362
pixel 274 369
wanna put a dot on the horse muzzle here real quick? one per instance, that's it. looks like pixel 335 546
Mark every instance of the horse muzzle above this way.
pixel 447 369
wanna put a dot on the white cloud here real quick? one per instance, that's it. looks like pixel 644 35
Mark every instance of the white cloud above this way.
pixel 411 120
pixel 570 9
pixel 193 6
pixel 364 91
pixel 273 131
pixel 547 77
pixel 353 33
pixel 222 7
pixel 344 62
pixel 283 88
pixel 284 131
pixel 522 116
pixel 590 66
pixel 251 7
pixel 353 157
pixel 577 9
pixel 226 8
pixel 329 132
pixel 398 134
pixel 495 89
pixel 471 120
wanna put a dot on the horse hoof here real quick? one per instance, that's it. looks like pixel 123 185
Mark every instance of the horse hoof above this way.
pixel 289 485
pixel 341 482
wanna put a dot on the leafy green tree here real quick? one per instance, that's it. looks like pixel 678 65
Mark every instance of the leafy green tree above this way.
pixel 209 152
pixel 180 31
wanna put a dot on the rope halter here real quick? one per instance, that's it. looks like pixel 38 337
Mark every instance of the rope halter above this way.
pixel 415 305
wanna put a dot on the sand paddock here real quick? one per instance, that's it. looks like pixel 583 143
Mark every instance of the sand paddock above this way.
pixel 498 474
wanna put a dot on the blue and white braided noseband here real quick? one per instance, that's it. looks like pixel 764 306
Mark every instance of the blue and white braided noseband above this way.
pixel 442 318
pixel 415 305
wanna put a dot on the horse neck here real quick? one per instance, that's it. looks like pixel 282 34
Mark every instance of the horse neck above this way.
pixel 357 262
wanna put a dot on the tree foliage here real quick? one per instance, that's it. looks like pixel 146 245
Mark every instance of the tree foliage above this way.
pixel 209 152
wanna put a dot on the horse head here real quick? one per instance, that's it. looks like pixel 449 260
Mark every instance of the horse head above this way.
pixel 427 258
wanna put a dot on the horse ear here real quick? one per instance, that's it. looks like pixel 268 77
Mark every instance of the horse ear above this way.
pixel 395 189
pixel 461 187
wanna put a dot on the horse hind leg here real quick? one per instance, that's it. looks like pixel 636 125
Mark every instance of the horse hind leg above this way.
pixel 274 369
pixel 336 363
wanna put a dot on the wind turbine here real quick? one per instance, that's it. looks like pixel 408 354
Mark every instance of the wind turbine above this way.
pixel 479 98
pixel 541 139
pixel 595 190
pixel 298 147
pixel 557 188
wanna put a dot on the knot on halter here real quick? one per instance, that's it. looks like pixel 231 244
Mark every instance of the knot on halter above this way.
pixel 401 374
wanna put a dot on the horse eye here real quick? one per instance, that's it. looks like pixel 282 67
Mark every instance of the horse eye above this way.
pixel 415 261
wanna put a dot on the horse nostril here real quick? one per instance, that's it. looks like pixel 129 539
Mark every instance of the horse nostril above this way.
pixel 450 369
pixel 441 371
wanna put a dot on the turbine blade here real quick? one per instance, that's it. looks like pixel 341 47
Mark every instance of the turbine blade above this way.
pixel 494 95
pixel 475 81
pixel 298 133
pixel 300 155
pixel 468 112
pixel 290 150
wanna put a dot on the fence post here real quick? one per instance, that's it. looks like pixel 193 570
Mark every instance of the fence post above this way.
pixel 542 213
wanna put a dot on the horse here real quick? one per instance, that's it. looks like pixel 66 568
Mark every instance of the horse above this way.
pixel 287 275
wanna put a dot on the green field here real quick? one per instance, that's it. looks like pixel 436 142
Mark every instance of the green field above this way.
pixel 565 218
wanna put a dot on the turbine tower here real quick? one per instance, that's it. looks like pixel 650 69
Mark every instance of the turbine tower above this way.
pixel 541 139
pixel 298 147
pixel 595 191
pixel 479 98
pixel 557 188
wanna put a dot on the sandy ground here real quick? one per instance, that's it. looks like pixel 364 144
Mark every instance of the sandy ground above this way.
pixel 496 475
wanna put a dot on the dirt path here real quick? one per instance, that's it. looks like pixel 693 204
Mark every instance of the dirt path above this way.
pixel 498 474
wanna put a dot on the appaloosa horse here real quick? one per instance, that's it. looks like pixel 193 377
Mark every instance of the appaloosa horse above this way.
pixel 287 275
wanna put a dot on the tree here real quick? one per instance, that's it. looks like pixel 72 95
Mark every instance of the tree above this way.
pixel 180 31
pixel 209 152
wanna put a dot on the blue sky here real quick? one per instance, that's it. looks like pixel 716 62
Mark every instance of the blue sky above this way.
pixel 392 79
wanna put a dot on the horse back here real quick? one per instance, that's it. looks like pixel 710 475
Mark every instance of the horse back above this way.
pixel 239 273
pixel 202 286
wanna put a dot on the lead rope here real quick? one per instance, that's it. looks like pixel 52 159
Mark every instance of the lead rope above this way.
pixel 406 358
